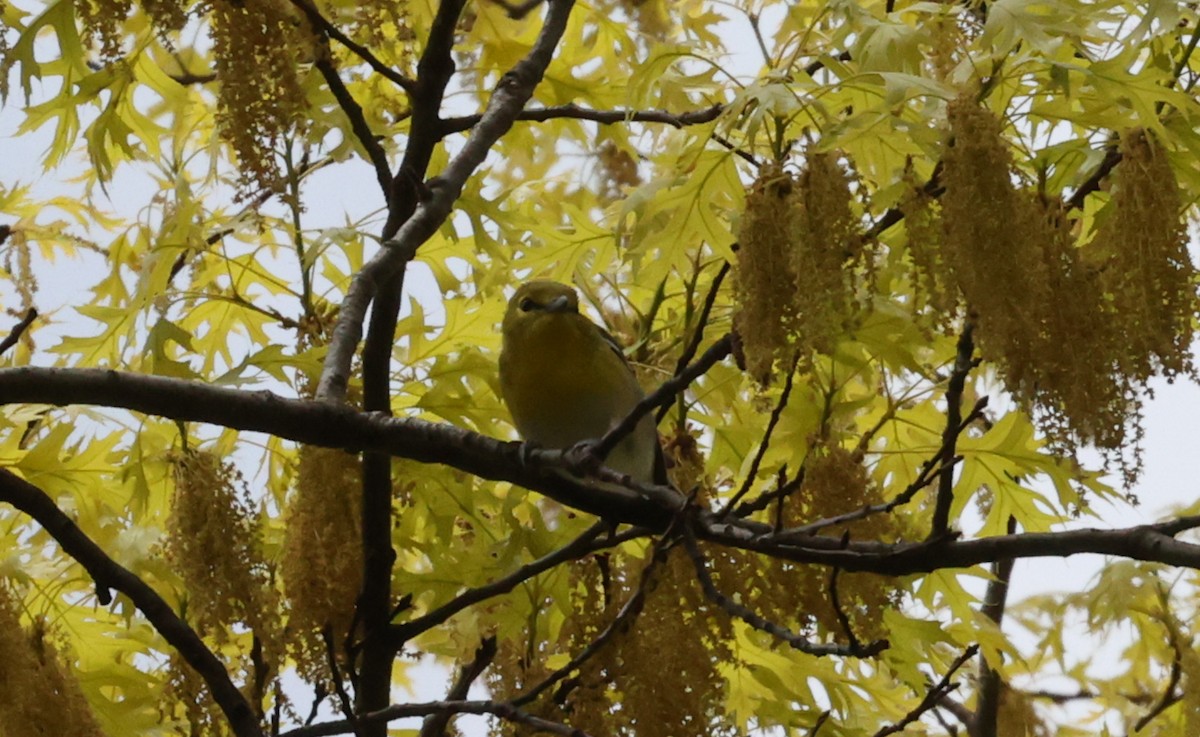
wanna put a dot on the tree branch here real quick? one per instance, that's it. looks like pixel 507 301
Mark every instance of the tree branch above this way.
pixel 987 708
pixel 18 330
pixel 514 90
pixel 541 470
pixel 693 344
pixel 630 610
pixel 963 364
pixel 402 194
pixel 663 395
pixel 776 414
pixel 501 709
pixel 435 724
pixel 606 117
pixel 358 122
pixel 321 23
pixel 734 609
pixel 108 574
pixel 582 545
pixel 934 695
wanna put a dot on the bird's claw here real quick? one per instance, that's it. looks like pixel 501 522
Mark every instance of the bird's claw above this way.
pixel 582 459
pixel 525 454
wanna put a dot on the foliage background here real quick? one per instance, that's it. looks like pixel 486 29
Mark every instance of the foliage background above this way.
pixel 624 211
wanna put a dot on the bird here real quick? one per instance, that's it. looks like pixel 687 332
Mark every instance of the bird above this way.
pixel 565 380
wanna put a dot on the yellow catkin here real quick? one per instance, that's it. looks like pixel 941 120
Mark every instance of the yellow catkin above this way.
pixel 765 278
pixel 102 22
pixel 996 264
pixel 1146 270
pixel 1017 716
pixel 824 255
pixel 187 699
pixel 41 694
pixel 835 482
pixel 689 637
pixel 322 555
pixel 1076 389
pixel 933 293
pixel 260 51
pixel 213 541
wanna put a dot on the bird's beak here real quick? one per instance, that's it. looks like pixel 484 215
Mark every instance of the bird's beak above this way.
pixel 559 304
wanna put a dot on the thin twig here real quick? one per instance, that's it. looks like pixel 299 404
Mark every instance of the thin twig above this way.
pixel 628 612
pixel 339 688
pixel 358 122
pixel 314 16
pixel 18 330
pixel 1169 695
pixel 582 545
pixel 1112 157
pixel 663 395
pixel 835 600
pixel 776 414
pixel 933 696
pixel 929 472
pixel 435 724
pixel 693 345
pixel 963 364
pixel 796 641
pixel 783 488
pixel 730 146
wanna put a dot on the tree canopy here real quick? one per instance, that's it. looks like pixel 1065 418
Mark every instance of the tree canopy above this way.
pixel 898 278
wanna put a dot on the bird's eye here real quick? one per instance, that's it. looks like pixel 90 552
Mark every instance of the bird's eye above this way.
pixel 527 304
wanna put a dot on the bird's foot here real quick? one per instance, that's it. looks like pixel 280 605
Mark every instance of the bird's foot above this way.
pixel 581 459
pixel 525 453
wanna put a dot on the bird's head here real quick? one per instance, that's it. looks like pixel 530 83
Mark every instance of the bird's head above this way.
pixel 538 301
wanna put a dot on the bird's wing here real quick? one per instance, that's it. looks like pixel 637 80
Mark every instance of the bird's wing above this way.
pixel 660 460
pixel 615 346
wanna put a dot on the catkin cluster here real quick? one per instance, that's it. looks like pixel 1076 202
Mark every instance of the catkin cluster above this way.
pixel 1076 330
pixel 322 556
pixel 835 483
pixel 619 690
pixel 213 540
pixel 41 695
pixel 261 51
pixel 678 692
pixel 799 246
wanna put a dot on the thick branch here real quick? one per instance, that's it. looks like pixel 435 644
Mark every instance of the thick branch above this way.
pixel 338 426
pixel 108 574
pixel 501 709
pixel 606 117
pixel 402 194
pixel 987 709
pixel 514 90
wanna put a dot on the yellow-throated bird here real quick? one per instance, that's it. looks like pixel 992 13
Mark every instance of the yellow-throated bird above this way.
pixel 566 380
